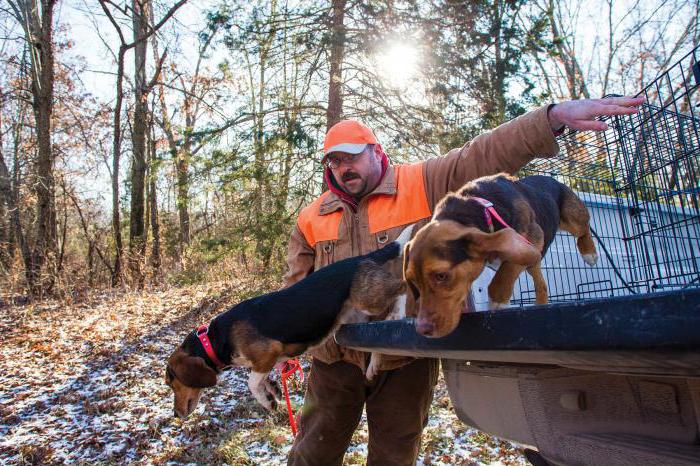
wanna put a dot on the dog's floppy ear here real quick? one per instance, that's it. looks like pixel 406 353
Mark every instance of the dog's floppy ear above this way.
pixel 410 284
pixel 192 371
pixel 507 244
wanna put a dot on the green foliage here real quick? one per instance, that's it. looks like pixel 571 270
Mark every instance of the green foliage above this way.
pixel 480 60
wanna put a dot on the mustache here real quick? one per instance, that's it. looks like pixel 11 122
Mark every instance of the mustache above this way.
pixel 349 176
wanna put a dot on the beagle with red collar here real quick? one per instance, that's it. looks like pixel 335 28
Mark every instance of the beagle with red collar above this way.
pixel 262 331
pixel 491 218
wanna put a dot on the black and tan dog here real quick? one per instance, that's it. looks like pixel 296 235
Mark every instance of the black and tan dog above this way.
pixel 491 218
pixel 260 332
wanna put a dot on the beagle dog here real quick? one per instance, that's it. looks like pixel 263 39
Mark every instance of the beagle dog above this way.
pixel 491 218
pixel 262 331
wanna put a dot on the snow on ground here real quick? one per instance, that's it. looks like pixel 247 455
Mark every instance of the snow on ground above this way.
pixel 83 384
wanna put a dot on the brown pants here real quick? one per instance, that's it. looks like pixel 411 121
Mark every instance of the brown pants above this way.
pixel 397 402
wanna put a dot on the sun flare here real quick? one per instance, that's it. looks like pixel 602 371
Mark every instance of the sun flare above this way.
pixel 398 64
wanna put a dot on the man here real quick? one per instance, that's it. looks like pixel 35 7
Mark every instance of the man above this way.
pixel 368 203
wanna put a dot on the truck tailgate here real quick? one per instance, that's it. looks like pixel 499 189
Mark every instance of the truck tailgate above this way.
pixel 608 381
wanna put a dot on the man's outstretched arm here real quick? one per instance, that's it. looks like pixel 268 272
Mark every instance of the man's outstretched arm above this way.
pixel 511 145
pixel 581 114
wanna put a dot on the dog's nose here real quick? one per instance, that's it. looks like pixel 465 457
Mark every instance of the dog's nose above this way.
pixel 424 327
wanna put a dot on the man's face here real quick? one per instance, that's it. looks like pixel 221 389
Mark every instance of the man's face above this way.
pixel 356 174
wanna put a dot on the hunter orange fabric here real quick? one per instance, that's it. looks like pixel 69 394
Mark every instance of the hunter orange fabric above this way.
pixel 345 134
pixel 316 227
pixel 408 205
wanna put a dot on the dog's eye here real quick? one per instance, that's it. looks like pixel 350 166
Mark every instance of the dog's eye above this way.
pixel 441 277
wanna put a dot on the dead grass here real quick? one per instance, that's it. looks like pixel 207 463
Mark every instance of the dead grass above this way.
pixel 82 384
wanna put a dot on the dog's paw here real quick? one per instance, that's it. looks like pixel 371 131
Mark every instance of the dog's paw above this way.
pixel 271 402
pixel 265 399
pixel 273 389
pixel 373 367
pixel 494 306
pixel 590 259
pixel 264 390
pixel 399 310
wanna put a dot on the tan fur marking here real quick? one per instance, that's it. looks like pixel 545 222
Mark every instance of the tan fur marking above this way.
pixel 501 287
pixel 575 219
pixel 187 368
pixel 541 293
pixel 440 303
pixel 262 352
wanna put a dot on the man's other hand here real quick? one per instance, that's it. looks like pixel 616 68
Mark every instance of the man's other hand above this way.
pixel 581 114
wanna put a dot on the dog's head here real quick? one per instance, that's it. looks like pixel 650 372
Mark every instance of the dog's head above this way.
pixel 442 261
pixel 187 375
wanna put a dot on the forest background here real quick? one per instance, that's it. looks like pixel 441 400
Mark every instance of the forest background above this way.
pixel 152 143
pixel 154 155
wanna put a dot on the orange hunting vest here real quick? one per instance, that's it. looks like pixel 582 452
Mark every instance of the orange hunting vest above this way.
pixel 408 205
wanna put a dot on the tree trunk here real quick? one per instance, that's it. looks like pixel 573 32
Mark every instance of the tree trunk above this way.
pixel 13 200
pixel 64 230
pixel 5 259
pixel 153 204
pixel 137 230
pixel 181 156
pixel 334 111
pixel 9 192
pixel 142 23
pixel 183 196
pixel 43 254
pixel 91 264
pixel 116 149
pixel 5 221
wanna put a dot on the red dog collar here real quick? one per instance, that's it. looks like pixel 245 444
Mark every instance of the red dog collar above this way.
pixel 202 331
pixel 490 213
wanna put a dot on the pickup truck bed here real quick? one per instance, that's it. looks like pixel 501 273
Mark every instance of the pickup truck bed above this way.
pixel 608 381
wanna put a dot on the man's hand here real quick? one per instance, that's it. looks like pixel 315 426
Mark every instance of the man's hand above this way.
pixel 580 114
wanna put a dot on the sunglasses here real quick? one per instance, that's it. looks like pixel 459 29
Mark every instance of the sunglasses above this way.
pixel 335 161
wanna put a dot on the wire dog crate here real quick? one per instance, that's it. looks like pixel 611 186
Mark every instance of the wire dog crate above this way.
pixel 640 180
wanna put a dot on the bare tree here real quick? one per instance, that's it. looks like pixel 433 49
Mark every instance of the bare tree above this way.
pixel 566 52
pixel 635 42
pixel 196 92
pixel 36 20
pixel 153 165
pixel 137 228
pixel 116 151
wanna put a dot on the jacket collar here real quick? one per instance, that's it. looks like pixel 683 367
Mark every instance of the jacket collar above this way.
pixel 333 202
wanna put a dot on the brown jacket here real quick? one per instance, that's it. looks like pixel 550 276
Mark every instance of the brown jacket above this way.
pixel 505 149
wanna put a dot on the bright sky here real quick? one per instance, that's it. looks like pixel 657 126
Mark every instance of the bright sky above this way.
pixel 399 61
pixel 91 31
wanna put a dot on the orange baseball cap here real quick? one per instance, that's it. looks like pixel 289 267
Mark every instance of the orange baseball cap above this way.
pixel 348 136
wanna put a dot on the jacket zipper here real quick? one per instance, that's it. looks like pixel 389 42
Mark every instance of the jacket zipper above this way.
pixel 356 235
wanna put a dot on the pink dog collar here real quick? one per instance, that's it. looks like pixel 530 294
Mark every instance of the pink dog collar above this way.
pixel 490 213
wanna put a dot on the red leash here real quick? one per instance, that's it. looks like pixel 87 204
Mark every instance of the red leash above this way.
pixel 287 369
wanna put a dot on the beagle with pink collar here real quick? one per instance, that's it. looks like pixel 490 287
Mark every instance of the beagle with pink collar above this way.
pixel 491 218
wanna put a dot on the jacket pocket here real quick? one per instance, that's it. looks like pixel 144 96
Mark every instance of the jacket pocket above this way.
pixel 325 253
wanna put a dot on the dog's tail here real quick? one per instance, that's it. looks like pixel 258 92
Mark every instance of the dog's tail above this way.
pixel 393 249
